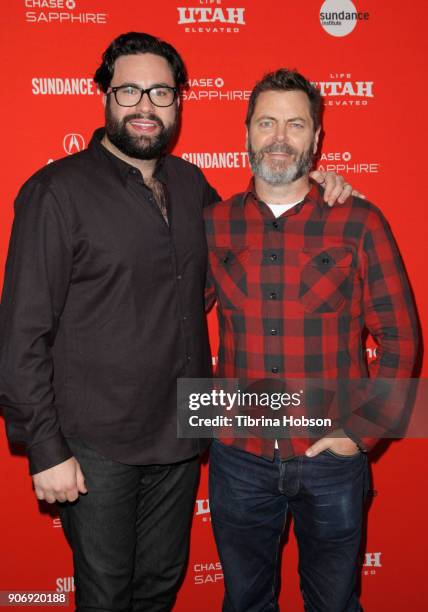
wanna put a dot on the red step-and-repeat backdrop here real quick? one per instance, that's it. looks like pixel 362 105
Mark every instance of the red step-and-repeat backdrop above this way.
pixel 370 69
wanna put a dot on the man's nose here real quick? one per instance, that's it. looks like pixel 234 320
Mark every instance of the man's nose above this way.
pixel 145 104
pixel 281 132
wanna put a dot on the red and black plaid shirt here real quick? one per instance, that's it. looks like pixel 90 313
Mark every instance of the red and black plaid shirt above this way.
pixel 296 293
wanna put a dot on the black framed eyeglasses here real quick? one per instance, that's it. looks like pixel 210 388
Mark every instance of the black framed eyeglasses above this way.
pixel 131 95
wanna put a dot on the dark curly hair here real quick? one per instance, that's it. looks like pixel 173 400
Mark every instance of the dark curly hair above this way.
pixel 286 80
pixel 134 43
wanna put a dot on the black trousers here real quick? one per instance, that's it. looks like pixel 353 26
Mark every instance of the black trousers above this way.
pixel 130 532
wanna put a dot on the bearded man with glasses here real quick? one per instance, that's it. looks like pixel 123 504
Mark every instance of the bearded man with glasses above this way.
pixel 102 311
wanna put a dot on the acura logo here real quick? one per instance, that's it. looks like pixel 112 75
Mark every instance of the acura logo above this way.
pixel 73 143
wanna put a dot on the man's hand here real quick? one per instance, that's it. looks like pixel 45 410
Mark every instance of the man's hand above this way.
pixel 339 443
pixel 62 482
pixel 336 191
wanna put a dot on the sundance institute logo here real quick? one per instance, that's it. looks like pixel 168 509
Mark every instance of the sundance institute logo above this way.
pixel 340 17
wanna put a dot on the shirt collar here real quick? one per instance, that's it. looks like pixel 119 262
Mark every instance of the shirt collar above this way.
pixel 314 197
pixel 121 168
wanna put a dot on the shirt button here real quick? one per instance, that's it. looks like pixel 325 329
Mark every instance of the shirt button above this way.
pixel 273 332
pixel 275 224
pixel 274 370
pixel 273 257
pixel 188 357
pixel 179 277
pixel 272 295
pixel 184 318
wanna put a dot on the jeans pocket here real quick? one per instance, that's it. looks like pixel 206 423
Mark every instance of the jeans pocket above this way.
pixel 345 457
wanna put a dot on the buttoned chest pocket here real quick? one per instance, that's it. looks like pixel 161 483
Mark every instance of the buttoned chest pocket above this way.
pixel 325 280
pixel 229 270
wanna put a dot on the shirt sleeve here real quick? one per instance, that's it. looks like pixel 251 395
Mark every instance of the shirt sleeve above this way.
pixel 210 197
pixel 210 294
pixel 390 317
pixel 37 277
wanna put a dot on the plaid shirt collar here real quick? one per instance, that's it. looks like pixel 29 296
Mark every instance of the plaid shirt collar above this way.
pixel 314 197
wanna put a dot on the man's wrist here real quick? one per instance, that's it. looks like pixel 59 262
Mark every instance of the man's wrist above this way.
pixel 355 440
pixel 48 453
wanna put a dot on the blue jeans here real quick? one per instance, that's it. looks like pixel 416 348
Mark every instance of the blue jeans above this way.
pixel 130 532
pixel 249 499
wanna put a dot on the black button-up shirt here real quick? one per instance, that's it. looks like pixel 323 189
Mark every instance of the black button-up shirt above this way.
pixel 102 308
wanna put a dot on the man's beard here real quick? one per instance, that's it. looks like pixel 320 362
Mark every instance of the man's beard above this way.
pixel 280 172
pixel 139 146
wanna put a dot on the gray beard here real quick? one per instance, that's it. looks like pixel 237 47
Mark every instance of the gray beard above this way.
pixel 276 174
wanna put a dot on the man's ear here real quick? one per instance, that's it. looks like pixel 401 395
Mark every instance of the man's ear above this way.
pixel 104 100
pixel 316 139
pixel 246 138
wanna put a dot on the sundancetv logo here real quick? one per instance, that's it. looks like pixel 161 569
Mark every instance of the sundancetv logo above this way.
pixel 61 12
pixel 60 86
pixel 65 584
pixel 211 17
pixel 217 159
pixel 340 17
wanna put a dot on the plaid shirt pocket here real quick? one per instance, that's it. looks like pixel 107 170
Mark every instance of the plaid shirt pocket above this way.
pixel 230 274
pixel 325 280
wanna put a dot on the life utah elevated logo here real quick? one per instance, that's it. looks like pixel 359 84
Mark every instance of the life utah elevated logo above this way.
pixel 211 16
